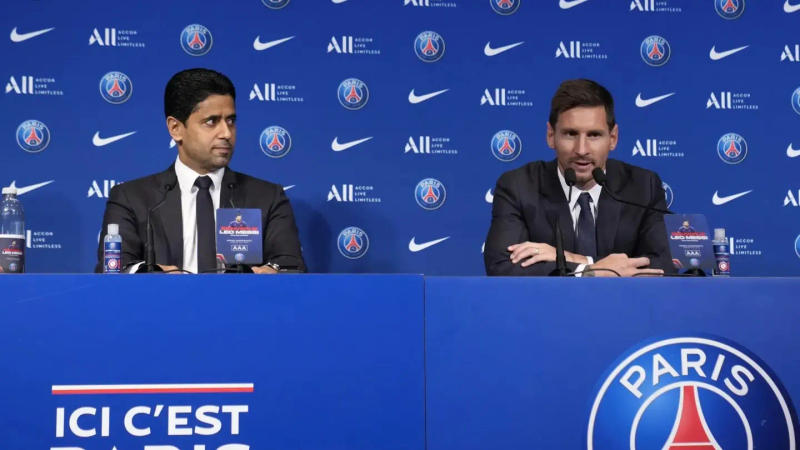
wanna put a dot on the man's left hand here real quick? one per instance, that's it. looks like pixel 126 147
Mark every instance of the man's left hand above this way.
pixel 264 269
pixel 530 253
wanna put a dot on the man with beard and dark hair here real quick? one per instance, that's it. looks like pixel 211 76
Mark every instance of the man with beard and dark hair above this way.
pixel 602 237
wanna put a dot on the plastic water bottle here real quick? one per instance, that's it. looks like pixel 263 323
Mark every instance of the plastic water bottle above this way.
pixel 112 250
pixel 12 233
pixel 721 253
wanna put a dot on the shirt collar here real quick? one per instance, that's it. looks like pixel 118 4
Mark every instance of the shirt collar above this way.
pixel 594 192
pixel 187 176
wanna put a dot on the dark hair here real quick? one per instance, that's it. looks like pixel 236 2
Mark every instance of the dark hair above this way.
pixel 189 87
pixel 581 92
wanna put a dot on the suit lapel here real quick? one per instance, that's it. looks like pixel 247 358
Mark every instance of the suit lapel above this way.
pixel 608 212
pixel 557 205
pixel 168 217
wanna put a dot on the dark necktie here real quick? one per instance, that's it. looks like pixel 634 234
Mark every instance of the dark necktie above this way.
pixel 206 240
pixel 587 241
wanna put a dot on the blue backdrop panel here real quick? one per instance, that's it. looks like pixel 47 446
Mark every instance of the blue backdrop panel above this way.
pixel 515 363
pixel 728 72
pixel 336 362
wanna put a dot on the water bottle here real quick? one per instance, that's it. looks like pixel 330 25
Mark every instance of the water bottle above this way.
pixel 12 233
pixel 112 250
pixel 721 253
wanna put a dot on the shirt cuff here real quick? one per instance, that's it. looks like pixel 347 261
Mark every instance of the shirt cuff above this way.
pixel 579 269
pixel 134 267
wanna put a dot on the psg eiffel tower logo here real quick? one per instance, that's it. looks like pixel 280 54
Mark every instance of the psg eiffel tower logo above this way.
pixel 691 393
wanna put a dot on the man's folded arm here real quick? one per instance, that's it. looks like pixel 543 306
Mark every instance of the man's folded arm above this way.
pixel 281 238
pixel 652 239
pixel 508 227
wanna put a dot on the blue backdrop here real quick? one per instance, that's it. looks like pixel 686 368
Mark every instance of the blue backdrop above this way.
pixel 721 68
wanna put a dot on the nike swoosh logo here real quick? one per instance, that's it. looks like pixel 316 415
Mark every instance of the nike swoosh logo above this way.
pixel 258 45
pixel 489 197
pixel 717 200
pixel 642 102
pixel 792 153
pixel 414 98
pixel 565 4
pixel 789 8
pixel 716 56
pixel 102 142
pixel 286 188
pixel 489 51
pixel 17 37
pixel 338 1
pixel 414 247
pixel 338 147
pixel 26 189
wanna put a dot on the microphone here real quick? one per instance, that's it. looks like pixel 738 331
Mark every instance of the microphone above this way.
pixel 600 177
pixel 561 259
pixel 232 187
pixel 571 179
pixel 150 265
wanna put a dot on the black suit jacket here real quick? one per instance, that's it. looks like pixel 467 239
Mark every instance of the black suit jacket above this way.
pixel 528 200
pixel 129 202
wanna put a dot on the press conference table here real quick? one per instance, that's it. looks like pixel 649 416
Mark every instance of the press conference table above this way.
pixel 350 361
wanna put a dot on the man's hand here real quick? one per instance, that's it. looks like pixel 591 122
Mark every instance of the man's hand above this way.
pixel 171 270
pixel 533 252
pixel 264 269
pixel 625 266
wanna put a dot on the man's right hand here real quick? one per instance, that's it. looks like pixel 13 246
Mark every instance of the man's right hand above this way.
pixel 623 265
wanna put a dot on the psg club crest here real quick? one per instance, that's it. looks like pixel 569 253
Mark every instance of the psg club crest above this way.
pixel 505 7
pixel 275 142
pixel 687 392
pixel 196 40
pixel 430 194
pixel 655 51
pixel 668 194
pixel 506 145
pixel 353 242
pixel 33 136
pixel 797 246
pixel 275 4
pixel 429 46
pixel 729 9
pixel 732 148
pixel 796 100
pixel 116 87
pixel 353 93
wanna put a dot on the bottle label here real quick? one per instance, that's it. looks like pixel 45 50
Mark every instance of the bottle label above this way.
pixel 723 257
pixel 112 257
pixel 12 253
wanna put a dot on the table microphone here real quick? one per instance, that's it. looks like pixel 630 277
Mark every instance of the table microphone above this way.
pixel 600 177
pixel 571 179
pixel 561 258
pixel 150 265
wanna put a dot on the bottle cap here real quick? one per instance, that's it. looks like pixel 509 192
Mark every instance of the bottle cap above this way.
pixel 719 234
pixel 113 228
pixel 9 190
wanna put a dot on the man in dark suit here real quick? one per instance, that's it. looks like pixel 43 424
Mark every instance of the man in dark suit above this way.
pixel 201 118
pixel 602 237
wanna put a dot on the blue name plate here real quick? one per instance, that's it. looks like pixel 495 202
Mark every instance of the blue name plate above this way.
pixel 239 236
pixel 689 242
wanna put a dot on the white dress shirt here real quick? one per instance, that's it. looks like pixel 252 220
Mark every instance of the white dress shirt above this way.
pixel 186 178
pixel 575 209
